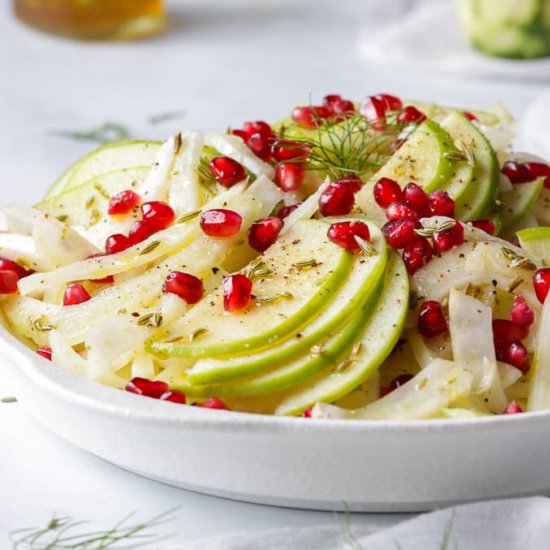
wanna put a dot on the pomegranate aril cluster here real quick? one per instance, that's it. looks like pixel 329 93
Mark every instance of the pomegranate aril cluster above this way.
pixel 346 234
pixel 375 108
pixel 508 334
pixel 523 172
pixel 259 136
pixel 155 216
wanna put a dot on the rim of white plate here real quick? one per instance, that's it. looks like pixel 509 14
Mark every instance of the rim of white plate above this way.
pixel 109 401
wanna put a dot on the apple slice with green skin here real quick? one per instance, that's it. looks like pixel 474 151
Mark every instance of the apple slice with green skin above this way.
pixel 108 158
pixel 361 283
pixel 536 240
pixel 518 203
pixel 422 159
pixel 373 345
pixel 86 206
pixel 328 352
pixel 461 180
pixel 478 196
pixel 304 272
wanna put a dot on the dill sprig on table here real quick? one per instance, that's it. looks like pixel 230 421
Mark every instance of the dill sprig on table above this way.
pixel 61 533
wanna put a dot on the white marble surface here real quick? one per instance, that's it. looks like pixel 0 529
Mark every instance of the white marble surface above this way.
pixel 223 62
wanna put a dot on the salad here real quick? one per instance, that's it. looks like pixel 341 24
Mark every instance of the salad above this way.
pixel 375 260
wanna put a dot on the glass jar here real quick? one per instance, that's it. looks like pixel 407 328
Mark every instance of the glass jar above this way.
pixel 93 19
pixel 516 29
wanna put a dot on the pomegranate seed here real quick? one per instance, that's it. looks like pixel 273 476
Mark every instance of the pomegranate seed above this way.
pixel 307 413
pixel 75 294
pixel 109 280
pixel 384 390
pixel 159 213
pixel 469 116
pixel 117 243
pixel 374 110
pixel 283 150
pixel 398 381
pixel 516 172
pixel 226 171
pixel 399 233
pixel 174 396
pixel 257 127
pixel 513 408
pixel 485 225
pixel 353 181
pixel 541 282
pixel 517 356
pixel 409 115
pixel 401 211
pixel 8 281
pixel 343 234
pixel 214 403
pixel 45 352
pixel 289 176
pixel 123 203
pixel 417 254
pixel 338 106
pixel 391 102
pixel 539 170
pixel 186 286
pixel 259 144
pixel 146 387
pixel 8 265
pixel 521 314
pixel 387 191
pixel 441 204
pixel 141 230
pixel 237 291
pixel 285 211
pixel 431 319
pixel 220 223
pixel 336 200
pixel 416 198
pixel 311 117
pixel 445 240
pixel 263 233
pixel 504 333
pixel 240 133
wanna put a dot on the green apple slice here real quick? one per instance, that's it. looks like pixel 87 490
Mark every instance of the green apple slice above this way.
pixel 328 352
pixel 423 159
pixel 374 344
pixel 479 195
pixel 108 158
pixel 536 240
pixel 461 180
pixel 358 286
pixel 304 271
pixel 518 203
pixel 80 205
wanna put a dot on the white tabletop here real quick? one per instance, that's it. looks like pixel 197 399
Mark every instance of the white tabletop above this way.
pixel 222 62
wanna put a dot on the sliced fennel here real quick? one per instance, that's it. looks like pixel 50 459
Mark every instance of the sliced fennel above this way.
pixel 470 325
pixel 160 244
pixel 539 391
pixel 27 315
pixel 424 396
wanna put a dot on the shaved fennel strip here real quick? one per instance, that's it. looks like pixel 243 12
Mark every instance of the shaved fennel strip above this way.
pixel 424 396
pixel 470 325
pixel 539 390
pixel 160 244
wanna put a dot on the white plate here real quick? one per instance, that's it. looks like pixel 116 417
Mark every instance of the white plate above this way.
pixel 296 462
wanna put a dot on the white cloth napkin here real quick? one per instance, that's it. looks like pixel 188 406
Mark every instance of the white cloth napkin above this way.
pixel 426 33
pixel 517 524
